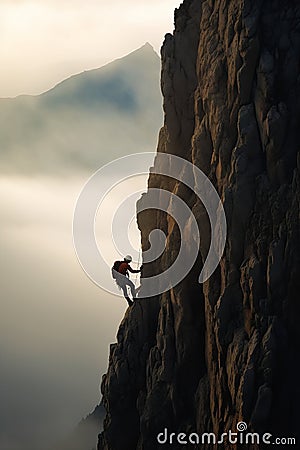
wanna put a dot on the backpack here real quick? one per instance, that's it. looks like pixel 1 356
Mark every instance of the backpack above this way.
pixel 115 268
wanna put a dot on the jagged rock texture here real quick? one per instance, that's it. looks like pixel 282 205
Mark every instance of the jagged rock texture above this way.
pixel 204 357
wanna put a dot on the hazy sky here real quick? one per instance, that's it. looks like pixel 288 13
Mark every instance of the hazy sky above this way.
pixel 43 42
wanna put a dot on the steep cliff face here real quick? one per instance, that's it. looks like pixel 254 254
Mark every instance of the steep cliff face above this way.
pixel 201 358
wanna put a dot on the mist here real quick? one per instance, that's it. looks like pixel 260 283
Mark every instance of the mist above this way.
pixel 45 42
pixel 86 120
pixel 56 325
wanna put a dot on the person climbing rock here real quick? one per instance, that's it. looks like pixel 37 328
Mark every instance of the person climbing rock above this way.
pixel 120 272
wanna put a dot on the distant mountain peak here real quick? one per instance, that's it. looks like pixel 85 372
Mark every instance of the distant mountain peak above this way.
pixel 147 47
pixel 83 110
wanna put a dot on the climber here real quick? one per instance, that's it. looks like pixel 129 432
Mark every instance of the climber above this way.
pixel 120 272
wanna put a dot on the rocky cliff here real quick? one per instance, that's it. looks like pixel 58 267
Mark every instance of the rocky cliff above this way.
pixel 201 358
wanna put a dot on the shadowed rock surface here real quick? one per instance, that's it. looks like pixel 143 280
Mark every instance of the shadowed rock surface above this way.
pixel 201 358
